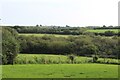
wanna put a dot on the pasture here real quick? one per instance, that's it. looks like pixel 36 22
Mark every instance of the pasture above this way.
pixel 102 30
pixel 60 71
pixel 55 35
pixel 40 35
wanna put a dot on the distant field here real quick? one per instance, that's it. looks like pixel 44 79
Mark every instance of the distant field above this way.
pixel 60 71
pixel 56 35
pixel 103 30
pixel 60 35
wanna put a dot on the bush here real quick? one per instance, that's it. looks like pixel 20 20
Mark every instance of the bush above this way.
pixel 71 58
pixel 10 45
pixel 95 58
pixel 109 33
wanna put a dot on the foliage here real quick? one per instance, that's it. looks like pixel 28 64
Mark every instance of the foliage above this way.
pixel 68 30
pixel 59 59
pixel 50 29
pixel 95 58
pixel 10 45
pixel 72 58
pixel 80 45
pixel 109 33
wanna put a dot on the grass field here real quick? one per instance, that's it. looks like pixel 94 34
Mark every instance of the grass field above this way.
pixel 40 35
pixel 57 59
pixel 60 71
pixel 56 35
pixel 57 66
pixel 103 30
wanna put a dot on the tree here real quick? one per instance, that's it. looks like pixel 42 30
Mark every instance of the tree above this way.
pixel 110 26
pixel 37 25
pixel 10 45
pixel 67 26
pixel 104 26
pixel 40 25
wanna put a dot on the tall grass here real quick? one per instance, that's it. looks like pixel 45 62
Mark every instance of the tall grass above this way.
pixel 58 59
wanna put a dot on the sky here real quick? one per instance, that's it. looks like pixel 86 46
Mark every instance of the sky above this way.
pixel 59 12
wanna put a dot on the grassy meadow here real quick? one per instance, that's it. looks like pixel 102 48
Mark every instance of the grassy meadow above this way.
pixel 55 35
pixel 102 30
pixel 40 35
pixel 58 66
pixel 60 71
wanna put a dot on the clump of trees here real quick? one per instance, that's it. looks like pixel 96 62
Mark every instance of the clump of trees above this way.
pixel 107 27
pixel 83 45
pixel 10 45
pixel 108 33
pixel 49 30
pixel 64 30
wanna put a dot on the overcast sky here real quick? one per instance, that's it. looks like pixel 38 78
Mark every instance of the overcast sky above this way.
pixel 59 12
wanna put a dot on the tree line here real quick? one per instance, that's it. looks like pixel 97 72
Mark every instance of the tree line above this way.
pixel 64 30
pixel 49 30
pixel 83 45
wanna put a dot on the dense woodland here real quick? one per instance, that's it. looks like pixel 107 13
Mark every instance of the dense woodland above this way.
pixel 82 45
pixel 85 44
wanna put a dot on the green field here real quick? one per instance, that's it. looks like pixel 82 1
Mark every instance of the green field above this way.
pixel 102 30
pixel 56 35
pixel 60 71
pixel 40 35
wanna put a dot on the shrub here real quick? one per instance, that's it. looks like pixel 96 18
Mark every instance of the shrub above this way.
pixel 95 58
pixel 71 58
pixel 10 45
pixel 109 33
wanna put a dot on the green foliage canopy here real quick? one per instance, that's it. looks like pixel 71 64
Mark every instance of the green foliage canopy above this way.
pixel 10 45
